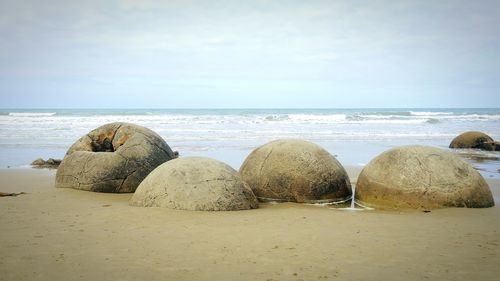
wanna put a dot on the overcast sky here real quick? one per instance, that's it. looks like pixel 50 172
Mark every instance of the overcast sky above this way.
pixel 203 54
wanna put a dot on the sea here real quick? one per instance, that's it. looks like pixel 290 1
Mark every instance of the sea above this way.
pixel 354 136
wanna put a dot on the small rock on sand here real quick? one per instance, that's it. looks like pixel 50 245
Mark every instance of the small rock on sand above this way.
pixel 50 163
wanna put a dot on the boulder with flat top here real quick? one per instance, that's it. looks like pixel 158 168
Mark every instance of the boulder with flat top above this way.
pixel 421 177
pixel 115 157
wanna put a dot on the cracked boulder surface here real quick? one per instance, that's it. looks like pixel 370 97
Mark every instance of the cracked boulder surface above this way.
pixel 421 177
pixel 115 157
pixel 473 139
pixel 197 184
pixel 295 171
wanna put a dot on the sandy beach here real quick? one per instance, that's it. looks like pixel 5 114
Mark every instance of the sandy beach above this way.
pixel 65 234
pixel 286 93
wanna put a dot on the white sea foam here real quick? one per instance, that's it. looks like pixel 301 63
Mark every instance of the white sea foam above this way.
pixel 277 117
pixel 429 113
pixel 31 114
pixel 355 136
pixel 318 118
pixel 245 128
pixel 248 119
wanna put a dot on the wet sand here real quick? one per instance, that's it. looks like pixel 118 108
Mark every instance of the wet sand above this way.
pixel 64 234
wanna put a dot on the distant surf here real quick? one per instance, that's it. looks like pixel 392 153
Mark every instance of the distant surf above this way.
pixel 355 135
pixel 31 114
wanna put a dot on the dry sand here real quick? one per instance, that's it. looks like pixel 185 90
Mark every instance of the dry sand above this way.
pixel 63 234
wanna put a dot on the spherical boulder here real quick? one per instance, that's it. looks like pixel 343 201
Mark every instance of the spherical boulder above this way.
pixel 296 171
pixel 473 139
pixel 115 157
pixel 421 177
pixel 197 184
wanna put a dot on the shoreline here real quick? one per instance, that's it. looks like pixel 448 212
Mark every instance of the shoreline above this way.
pixel 61 234
pixel 354 136
pixel 485 162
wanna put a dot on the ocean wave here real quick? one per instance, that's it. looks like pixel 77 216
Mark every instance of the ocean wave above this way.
pixel 307 118
pixel 347 119
pixel 469 117
pixel 199 130
pixel 384 113
pixel 32 114
pixel 390 121
pixel 55 120
pixel 429 113
pixel 480 116
pixel 276 117
pixel 361 117
pixel 318 117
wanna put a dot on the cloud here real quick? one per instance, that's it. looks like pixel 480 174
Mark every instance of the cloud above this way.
pixel 377 44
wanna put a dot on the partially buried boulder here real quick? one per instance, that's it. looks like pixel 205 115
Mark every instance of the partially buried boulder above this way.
pixel 473 139
pixel 421 177
pixel 38 162
pixel 297 171
pixel 115 157
pixel 50 163
pixel 195 183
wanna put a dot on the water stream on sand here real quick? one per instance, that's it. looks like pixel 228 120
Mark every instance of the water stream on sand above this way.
pixel 353 206
pixel 353 203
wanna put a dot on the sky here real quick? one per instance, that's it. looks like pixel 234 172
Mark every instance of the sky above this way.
pixel 249 54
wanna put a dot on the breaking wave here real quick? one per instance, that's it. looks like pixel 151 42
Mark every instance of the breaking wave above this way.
pixel 31 114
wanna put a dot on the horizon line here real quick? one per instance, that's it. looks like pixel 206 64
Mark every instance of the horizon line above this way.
pixel 232 108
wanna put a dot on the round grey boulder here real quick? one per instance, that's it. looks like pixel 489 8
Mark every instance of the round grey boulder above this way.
pixel 473 139
pixel 115 157
pixel 421 177
pixel 197 184
pixel 296 171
